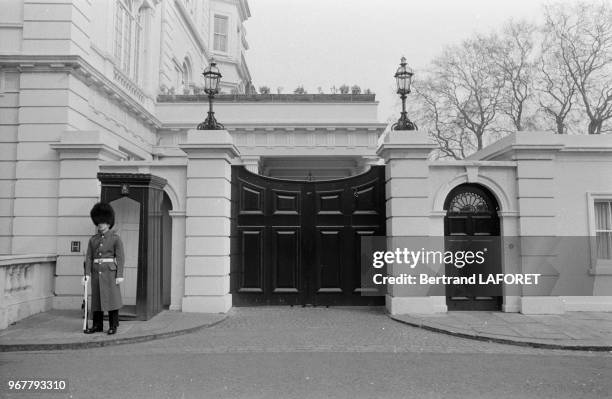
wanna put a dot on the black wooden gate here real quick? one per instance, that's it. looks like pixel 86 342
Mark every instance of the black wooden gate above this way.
pixel 298 242
pixel 472 224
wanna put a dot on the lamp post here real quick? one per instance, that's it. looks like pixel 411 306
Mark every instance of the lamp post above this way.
pixel 403 78
pixel 212 76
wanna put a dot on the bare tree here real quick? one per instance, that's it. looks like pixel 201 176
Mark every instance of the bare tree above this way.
pixel 462 97
pixel 583 36
pixel 513 53
pixel 452 140
pixel 555 87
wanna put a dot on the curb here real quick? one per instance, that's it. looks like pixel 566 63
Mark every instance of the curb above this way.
pixel 506 341
pixel 100 344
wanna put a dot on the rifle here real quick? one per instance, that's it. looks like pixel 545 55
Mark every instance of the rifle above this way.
pixel 84 306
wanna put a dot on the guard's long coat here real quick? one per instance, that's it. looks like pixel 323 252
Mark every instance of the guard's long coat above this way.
pixel 105 293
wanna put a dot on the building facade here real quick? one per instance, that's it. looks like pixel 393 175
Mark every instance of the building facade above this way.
pixel 98 100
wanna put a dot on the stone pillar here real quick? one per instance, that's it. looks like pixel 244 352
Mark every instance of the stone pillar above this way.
pixel 80 154
pixel 408 206
pixel 535 174
pixel 10 104
pixel 178 260
pixel 208 221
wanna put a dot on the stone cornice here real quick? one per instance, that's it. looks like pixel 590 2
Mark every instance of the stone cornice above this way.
pixel 272 98
pixel 289 127
pixel 245 11
pixel 135 179
pixel 84 71
pixel 586 149
pixel 87 151
pixel 483 164
pixel 8 260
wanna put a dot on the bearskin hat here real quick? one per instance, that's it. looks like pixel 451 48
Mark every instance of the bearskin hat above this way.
pixel 102 213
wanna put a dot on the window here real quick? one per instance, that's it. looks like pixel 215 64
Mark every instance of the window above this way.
pixel 138 44
pixel 121 14
pixel 185 75
pixel 178 78
pixel 129 40
pixel 603 229
pixel 468 202
pixel 220 38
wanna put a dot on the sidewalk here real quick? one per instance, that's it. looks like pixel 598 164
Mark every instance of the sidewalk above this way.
pixel 63 329
pixel 588 331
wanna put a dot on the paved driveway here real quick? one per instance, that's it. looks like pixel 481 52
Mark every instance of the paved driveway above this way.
pixel 317 353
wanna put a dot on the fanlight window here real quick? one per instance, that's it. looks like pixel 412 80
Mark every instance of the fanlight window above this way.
pixel 468 202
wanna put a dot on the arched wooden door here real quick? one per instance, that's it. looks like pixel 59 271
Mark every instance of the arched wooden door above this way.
pixel 472 224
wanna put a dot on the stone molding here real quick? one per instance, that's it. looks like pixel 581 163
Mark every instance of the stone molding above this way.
pixel 87 145
pixel 270 98
pixel 206 144
pixel 8 260
pixel 84 71
pixel 405 144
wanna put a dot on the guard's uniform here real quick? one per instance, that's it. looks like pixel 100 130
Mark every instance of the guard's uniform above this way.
pixel 104 262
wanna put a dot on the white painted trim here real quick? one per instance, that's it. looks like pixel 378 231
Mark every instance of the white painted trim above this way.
pixel 498 191
pixel 221 53
pixel 465 163
pixel 177 205
pixel 598 266
pixel 84 71
pixel 8 260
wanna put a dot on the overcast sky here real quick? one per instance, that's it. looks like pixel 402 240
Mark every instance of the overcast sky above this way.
pixel 322 43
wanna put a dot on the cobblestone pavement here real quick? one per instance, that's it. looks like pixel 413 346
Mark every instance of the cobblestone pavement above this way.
pixel 285 329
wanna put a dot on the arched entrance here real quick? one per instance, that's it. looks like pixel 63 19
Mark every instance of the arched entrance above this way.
pixel 299 242
pixel 472 224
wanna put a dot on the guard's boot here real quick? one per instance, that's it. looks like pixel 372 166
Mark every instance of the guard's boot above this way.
pixel 113 321
pixel 98 319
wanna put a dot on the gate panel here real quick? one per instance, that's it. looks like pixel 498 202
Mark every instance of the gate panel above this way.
pixel 346 209
pixel 252 254
pixel 285 261
pixel 299 241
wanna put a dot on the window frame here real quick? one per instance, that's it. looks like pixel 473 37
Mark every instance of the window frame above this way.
pixel 129 39
pixel 598 266
pixel 223 35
